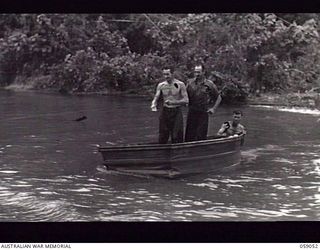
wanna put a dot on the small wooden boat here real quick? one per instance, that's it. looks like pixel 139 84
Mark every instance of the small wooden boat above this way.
pixel 173 160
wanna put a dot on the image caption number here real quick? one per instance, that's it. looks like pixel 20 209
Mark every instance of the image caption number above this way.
pixel 309 245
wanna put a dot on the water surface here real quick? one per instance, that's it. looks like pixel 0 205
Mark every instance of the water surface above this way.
pixel 50 169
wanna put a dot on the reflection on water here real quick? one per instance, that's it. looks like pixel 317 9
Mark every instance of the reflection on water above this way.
pixel 51 170
pixel 293 109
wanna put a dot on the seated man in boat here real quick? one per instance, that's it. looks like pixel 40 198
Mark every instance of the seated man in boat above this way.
pixel 174 96
pixel 233 127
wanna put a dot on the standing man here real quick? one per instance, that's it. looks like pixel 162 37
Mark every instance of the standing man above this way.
pixel 174 96
pixel 204 98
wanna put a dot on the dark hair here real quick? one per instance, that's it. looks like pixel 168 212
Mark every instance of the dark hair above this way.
pixel 238 112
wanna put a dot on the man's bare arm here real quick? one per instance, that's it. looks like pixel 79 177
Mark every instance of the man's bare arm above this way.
pixel 223 129
pixel 154 102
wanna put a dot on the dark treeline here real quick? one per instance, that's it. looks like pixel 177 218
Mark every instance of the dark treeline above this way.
pixel 242 53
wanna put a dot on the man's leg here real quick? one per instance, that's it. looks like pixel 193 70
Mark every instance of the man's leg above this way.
pixel 202 129
pixel 177 133
pixel 191 127
pixel 163 128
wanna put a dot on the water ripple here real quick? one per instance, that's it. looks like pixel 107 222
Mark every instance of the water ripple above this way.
pixel 315 112
pixel 27 207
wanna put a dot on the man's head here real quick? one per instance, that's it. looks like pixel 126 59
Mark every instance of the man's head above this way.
pixel 237 115
pixel 198 71
pixel 167 73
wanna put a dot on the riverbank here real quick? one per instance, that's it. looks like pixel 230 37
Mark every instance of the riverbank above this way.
pixel 301 100
pixel 144 92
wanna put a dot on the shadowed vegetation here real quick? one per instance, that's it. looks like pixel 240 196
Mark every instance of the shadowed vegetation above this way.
pixel 243 53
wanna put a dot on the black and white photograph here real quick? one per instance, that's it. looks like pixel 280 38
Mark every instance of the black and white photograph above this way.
pixel 159 117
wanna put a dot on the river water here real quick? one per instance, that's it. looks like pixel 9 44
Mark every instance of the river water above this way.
pixel 50 169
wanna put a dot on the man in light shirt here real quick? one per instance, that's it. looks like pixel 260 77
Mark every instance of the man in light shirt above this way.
pixel 174 96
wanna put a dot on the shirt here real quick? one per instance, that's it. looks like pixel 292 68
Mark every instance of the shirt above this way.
pixel 201 95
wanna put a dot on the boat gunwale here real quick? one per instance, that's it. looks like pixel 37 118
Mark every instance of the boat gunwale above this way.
pixel 161 161
pixel 135 147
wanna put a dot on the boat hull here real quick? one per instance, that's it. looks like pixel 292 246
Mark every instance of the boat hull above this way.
pixel 173 160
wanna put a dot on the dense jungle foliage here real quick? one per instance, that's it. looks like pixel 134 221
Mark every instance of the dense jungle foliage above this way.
pixel 242 53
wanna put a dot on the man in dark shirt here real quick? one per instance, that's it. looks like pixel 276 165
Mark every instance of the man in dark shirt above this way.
pixel 204 98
